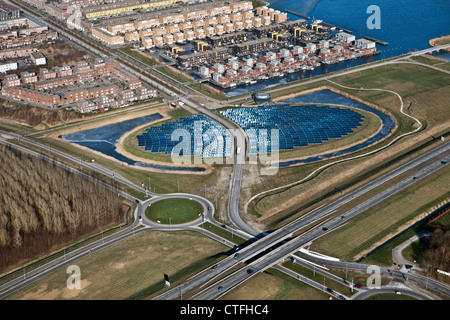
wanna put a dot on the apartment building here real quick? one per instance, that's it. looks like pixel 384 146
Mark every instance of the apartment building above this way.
pixel 45 74
pixel 75 95
pixel 8 67
pixel 188 61
pixel 108 37
pixel 16 53
pixel 38 58
pixel 28 77
pixel 8 11
pixel 30 95
pixel 120 8
pixel 11 80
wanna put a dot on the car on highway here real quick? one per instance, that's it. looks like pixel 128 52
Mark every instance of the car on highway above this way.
pixel 237 255
pixel 214 267
pixel 220 288
pixel 444 162
pixel 324 228
pixel 249 271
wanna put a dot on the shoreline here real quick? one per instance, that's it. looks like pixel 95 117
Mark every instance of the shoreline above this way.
pixel 121 149
pixel 161 110
pixel 433 41
pixel 349 96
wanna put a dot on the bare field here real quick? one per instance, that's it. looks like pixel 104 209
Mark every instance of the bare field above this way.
pixel 131 269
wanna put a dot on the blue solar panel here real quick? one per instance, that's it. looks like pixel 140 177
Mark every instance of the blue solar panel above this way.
pixel 298 125
pixel 206 138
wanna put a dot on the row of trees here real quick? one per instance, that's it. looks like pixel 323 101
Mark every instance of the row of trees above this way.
pixel 437 254
pixel 43 206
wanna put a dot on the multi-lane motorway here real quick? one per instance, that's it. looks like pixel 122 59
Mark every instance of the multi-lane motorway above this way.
pixel 427 163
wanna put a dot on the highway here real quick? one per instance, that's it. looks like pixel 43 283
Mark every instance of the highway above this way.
pixel 397 275
pixel 285 232
pixel 423 164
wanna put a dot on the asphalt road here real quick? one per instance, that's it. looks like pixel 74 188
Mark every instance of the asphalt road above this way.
pixel 442 152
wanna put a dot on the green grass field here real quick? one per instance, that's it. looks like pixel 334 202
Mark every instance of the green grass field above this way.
pixel 363 231
pixel 174 211
pixel 274 285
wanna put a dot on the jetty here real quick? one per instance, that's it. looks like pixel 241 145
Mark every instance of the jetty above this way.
pixel 329 25
pixel 297 14
pixel 383 43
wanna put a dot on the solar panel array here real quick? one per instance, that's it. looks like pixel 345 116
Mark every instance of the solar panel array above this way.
pixel 297 125
pixel 196 135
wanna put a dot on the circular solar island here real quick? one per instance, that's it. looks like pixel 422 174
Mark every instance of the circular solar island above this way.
pixel 286 127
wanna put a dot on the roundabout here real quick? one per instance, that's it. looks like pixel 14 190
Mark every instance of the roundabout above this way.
pixel 176 211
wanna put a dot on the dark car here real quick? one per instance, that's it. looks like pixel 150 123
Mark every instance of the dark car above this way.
pixel 237 255
pixel 220 288
pixel 324 228
pixel 249 271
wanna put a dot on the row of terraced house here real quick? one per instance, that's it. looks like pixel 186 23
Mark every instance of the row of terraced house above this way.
pixel 40 88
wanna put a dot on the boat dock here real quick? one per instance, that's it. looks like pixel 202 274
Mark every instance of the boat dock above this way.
pixel 297 14
pixel 383 43
pixel 333 26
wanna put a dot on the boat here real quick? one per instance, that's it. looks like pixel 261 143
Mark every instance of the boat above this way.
pixel 253 82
